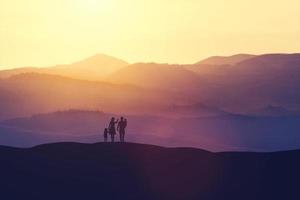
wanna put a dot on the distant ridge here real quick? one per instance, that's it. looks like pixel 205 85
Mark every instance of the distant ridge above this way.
pixel 271 79
pixel 153 75
pixel 100 59
pixel 273 59
pixel 226 60
pixel 93 68
pixel 99 63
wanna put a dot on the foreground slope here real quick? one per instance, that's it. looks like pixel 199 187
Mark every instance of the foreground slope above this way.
pixel 136 171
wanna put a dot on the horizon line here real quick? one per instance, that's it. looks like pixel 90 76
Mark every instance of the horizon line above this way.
pixel 2 67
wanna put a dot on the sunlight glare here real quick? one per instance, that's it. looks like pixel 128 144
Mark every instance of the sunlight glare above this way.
pixel 94 4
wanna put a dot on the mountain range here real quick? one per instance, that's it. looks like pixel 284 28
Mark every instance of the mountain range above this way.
pixel 242 102
pixel 93 68
pixel 226 60
pixel 256 81
pixel 32 93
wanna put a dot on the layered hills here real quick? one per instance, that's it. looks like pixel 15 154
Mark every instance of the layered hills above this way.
pixel 241 102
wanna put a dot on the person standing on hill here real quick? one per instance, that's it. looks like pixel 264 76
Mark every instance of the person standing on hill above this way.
pixel 121 128
pixel 112 129
pixel 125 125
pixel 105 134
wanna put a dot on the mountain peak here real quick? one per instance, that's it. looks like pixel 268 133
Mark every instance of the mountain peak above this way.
pixel 101 59
pixel 95 67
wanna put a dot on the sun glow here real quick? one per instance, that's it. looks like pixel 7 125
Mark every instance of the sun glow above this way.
pixel 94 5
pixel 46 33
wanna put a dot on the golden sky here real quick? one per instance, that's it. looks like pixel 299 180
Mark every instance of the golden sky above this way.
pixel 49 32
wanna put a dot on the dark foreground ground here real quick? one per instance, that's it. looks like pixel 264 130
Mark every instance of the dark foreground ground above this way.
pixel 141 172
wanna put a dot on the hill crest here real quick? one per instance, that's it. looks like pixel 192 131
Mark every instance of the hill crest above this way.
pixel 138 171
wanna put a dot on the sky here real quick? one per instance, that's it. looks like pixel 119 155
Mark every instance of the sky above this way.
pixel 48 32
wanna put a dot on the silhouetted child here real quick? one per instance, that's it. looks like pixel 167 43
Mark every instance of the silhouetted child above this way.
pixel 105 134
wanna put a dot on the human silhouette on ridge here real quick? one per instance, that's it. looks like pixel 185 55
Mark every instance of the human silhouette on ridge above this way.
pixel 121 128
pixel 105 134
pixel 112 128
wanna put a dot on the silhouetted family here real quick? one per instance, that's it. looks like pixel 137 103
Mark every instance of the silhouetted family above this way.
pixel 112 131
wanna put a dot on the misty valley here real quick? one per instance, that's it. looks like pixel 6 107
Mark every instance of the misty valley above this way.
pixel 237 103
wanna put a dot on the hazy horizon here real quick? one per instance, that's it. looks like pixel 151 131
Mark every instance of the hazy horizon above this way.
pixel 32 34
pixel 148 58
pixel 130 63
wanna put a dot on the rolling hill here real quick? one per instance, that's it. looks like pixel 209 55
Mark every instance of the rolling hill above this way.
pixel 32 93
pixel 93 68
pixel 96 67
pixel 136 171
pixel 225 60
pixel 153 75
pixel 256 82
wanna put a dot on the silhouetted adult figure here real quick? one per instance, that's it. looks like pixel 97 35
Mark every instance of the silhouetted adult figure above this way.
pixel 125 125
pixel 112 129
pixel 105 134
pixel 121 128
